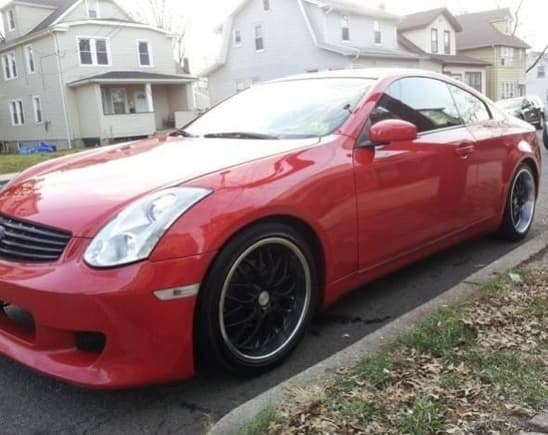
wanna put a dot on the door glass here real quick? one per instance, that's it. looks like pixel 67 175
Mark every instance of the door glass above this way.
pixel 426 103
pixel 471 109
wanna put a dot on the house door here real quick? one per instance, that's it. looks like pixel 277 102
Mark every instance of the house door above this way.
pixel 140 102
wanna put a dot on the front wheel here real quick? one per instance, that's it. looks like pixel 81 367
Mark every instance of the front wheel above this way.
pixel 256 301
pixel 520 205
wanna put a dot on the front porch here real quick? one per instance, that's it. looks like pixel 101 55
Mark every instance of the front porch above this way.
pixel 115 108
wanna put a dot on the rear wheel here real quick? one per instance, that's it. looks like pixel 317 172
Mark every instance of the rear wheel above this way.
pixel 256 301
pixel 520 205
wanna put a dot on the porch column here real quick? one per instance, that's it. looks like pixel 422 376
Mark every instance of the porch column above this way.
pixel 150 101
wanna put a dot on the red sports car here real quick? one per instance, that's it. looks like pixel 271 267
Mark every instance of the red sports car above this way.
pixel 136 263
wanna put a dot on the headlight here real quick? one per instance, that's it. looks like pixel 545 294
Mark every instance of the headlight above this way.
pixel 134 232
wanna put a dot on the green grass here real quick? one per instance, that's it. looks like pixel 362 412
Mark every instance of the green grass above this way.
pixel 422 417
pixel 539 307
pixel 375 370
pixel 524 376
pixel 358 410
pixel 259 425
pixel 440 334
pixel 17 162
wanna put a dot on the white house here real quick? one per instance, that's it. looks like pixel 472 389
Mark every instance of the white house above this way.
pixel 537 80
pixel 83 72
pixel 267 39
pixel 432 35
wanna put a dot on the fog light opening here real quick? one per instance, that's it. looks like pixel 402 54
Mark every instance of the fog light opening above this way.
pixel 91 342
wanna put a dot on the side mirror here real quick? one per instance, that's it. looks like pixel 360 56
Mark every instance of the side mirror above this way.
pixel 392 130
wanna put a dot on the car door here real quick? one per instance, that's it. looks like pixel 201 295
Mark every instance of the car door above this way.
pixel 528 111
pixel 410 193
pixel 486 162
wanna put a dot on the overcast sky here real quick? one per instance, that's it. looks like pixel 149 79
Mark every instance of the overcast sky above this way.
pixel 202 15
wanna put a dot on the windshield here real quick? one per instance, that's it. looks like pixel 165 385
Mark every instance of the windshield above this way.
pixel 513 103
pixel 288 109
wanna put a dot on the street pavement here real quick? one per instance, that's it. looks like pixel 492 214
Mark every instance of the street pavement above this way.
pixel 33 404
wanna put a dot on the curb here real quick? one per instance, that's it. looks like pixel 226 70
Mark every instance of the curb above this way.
pixel 6 177
pixel 235 420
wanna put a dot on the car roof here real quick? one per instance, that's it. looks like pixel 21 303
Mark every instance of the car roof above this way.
pixel 365 73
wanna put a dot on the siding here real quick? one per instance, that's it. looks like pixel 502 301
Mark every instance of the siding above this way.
pixel 44 83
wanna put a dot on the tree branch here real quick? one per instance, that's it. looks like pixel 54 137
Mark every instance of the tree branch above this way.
pixel 537 60
pixel 516 15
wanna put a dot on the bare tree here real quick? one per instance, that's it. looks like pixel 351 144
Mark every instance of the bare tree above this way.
pixel 516 17
pixel 165 14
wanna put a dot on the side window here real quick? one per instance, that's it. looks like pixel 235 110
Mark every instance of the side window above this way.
pixel 425 102
pixel 471 108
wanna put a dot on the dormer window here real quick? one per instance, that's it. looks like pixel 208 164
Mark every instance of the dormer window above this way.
pixel 11 20
pixel 447 42
pixel 434 40
pixel 93 8
pixel 508 23
pixel 345 29
pixel 266 5
pixel 377 34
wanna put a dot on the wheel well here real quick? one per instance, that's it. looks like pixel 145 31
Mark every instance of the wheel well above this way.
pixel 531 163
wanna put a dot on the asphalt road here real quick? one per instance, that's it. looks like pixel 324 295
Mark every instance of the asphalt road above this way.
pixel 33 404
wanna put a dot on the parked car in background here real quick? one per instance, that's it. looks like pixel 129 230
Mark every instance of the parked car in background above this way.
pixel 539 105
pixel 274 203
pixel 523 108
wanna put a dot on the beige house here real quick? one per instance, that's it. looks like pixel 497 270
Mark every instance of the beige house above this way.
pixel 432 35
pixel 83 72
pixel 488 36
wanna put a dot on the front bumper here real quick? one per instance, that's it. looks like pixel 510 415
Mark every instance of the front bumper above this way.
pixel 147 340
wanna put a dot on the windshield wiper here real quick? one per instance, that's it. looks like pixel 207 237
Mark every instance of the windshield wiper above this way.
pixel 182 132
pixel 241 135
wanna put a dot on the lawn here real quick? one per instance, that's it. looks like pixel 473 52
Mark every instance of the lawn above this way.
pixel 479 367
pixel 17 162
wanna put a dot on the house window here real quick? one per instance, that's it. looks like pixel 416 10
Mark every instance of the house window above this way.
pixel 259 38
pixel 145 58
pixel 434 40
pixel 93 8
pixel 9 66
pixel 377 34
pixel 237 38
pixel 93 51
pixel 345 29
pixel 473 79
pixel 17 114
pixel 37 105
pixel 29 59
pixel 118 98
pixel 447 42
pixel 541 72
pixel 11 20
pixel 508 89
pixel 506 56
pixel 266 5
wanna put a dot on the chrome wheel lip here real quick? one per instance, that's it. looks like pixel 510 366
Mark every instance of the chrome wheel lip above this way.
pixel 527 209
pixel 307 301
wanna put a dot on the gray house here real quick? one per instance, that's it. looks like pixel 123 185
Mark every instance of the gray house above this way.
pixel 537 80
pixel 82 71
pixel 267 39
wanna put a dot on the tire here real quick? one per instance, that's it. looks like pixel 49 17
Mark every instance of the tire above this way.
pixel 519 210
pixel 263 282
pixel 545 137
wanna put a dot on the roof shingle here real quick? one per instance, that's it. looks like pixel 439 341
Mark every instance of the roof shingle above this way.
pixel 479 31
pixel 422 19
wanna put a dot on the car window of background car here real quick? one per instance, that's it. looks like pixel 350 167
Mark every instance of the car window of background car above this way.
pixel 286 109
pixel 471 109
pixel 426 103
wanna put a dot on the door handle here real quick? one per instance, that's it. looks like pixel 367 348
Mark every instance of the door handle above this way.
pixel 465 149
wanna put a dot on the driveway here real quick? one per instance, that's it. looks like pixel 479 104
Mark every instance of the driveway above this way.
pixel 33 404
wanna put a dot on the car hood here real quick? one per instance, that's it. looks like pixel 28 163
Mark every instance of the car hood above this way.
pixel 80 192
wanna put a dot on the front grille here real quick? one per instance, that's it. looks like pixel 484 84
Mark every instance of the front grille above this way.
pixel 21 241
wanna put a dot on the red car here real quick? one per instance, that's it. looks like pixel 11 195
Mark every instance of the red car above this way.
pixel 136 263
